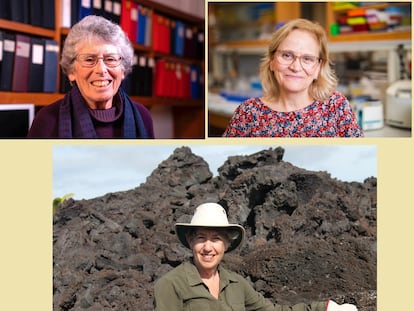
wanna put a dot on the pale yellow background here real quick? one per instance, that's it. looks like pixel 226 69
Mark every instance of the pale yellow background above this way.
pixel 26 221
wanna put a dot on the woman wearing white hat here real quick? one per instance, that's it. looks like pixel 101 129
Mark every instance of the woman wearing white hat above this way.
pixel 205 285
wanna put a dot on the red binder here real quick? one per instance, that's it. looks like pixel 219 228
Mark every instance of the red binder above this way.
pixel 186 81
pixel 134 23
pixel 159 79
pixel 20 80
pixel 166 33
pixel 125 22
pixel 157 21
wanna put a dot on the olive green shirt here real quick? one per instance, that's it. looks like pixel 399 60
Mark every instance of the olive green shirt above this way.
pixel 182 289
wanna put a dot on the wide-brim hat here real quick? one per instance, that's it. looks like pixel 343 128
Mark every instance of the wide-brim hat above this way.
pixel 210 215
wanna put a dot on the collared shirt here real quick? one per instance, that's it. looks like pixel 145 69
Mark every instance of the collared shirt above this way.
pixel 182 289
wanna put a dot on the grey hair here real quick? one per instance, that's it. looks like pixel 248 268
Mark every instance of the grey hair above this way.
pixel 94 27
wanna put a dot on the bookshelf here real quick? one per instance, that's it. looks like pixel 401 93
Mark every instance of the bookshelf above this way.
pixel 188 114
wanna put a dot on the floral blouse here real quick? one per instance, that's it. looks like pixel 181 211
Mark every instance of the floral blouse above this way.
pixel 331 118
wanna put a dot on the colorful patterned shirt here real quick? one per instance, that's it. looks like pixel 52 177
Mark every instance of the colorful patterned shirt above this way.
pixel 331 118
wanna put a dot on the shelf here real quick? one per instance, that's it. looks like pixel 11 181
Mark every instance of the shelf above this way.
pixel 365 36
pixel 25 28
pixel 39 99
pixel 44 99
pixel 383 38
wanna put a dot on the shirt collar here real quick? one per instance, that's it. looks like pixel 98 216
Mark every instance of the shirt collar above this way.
pixel 194 278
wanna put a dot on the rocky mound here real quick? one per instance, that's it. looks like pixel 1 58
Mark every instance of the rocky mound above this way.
pixel 309 236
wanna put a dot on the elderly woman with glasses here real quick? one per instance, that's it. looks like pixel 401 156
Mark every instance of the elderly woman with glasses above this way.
pixel 202 283
pixel 96 57
pixel 299 97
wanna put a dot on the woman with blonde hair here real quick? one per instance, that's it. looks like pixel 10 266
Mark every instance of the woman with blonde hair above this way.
pixel 299 90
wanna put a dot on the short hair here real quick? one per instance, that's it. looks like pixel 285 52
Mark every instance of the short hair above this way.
pixel 94 27
pixel 326 82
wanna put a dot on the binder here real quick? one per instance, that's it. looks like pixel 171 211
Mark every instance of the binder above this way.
pixel 172 27
pixel 129 19
pixel 66 13
pixel 97 7
pixel 161 35
pixel 200 45
pixel 166 33
pixel 19 11
pixel 148 74
pixel 116 11
pixel 36 67
pixel 180 80
pixel 134 22
pixel 189 43
pixel 175 79
pixel 74 11
pixel 48 17
pixel 36 13
pixel 142 24
pixel 5 9
pixel 85 8
pixel 157 32
pixel 42 13
pixel 179 38
pixel 125 21
pixel 148 29
pixel 21 64
pixel 140 75
pixel 160 72
pixel 186 82
pixel 195 82
pixel 9 48
pixel 107 9
pixel 51 66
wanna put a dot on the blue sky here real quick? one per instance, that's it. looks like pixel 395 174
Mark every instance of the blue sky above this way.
pixel 91 171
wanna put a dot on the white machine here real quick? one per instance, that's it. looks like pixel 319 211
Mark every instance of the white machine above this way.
pixel 370 115
pixel 398 104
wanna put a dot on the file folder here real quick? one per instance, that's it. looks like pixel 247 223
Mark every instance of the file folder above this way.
pixel 21 64
pixel 51 66
pixel 36 67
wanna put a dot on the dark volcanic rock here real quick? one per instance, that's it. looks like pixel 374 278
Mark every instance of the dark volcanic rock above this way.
pixel 309 236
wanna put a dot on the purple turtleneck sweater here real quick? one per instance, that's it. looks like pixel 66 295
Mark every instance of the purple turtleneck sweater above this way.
pixel 107 122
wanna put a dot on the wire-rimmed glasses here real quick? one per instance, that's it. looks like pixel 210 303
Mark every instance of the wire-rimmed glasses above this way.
pixel 288 57
pixel 90 60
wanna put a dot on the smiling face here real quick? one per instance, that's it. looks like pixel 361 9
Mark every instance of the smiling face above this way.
pixel 293 78
pixel 208 249
pixel 97 84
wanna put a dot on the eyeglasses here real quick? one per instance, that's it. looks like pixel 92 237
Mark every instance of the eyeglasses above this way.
pixel 90 60
pixel 288 57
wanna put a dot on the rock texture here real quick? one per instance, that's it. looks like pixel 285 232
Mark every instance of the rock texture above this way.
pixel 309 236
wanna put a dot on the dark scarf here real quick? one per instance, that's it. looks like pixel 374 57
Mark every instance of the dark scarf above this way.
pixel 75 120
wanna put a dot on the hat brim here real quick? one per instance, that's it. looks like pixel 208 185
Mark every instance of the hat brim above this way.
pixel 181 230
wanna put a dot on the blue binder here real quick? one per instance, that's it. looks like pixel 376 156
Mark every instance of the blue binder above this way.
pixel 85 8
pixel 195 84
pixel 51 66
pixel 179 38
pixel 142 22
